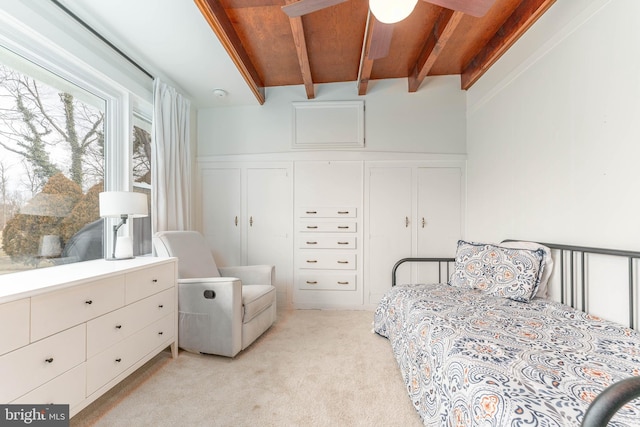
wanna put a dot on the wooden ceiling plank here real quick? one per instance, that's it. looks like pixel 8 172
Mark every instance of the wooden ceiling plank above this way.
pixel 217 18
pixel 366 62
pixel 443 29
pixel 527 12
pixel 303 55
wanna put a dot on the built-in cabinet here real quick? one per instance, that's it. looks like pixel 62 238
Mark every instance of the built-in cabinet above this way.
pixel 333 228
pixel 413 210
pixel 78 330
pixel 247 216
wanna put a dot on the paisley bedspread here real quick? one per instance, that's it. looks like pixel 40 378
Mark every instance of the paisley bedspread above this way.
pixel 471 359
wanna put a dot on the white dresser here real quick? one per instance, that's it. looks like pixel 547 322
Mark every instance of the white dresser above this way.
pixel 70 333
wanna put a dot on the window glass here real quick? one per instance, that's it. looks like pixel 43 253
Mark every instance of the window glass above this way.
pixel 51 168
pixel 142 181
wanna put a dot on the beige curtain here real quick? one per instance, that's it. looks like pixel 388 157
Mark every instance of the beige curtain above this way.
pixel 171 167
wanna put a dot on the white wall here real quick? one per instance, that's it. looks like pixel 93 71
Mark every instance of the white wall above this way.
pixel 554 132
pixel 431 120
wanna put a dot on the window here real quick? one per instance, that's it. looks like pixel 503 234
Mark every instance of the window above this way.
pixel 52 168
pixel 142 181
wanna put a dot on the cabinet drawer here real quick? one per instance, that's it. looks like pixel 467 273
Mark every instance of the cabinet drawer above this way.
pixel 113 327
pixel 62 309
pixel 328 227
pixel 333 282
pixel 142 283
pixel 322 212
pixel 327 261
pixel 67 388
pixel 16 314
pixel 29 367
pixel 326 242
pixel 112 362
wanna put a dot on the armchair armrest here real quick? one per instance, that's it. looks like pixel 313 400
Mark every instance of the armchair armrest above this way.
pixel 251 274
pixel 210 315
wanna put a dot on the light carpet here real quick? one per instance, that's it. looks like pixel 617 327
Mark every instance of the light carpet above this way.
pixel 311 368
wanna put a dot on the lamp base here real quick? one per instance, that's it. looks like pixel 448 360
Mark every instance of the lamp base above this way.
pixel 119 259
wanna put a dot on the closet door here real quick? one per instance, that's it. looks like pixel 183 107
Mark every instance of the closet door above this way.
pixel 439 216
pixel 390 225
pixel 269 223
pixel 222 213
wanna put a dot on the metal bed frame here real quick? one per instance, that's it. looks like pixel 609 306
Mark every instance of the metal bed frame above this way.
pixel 573 262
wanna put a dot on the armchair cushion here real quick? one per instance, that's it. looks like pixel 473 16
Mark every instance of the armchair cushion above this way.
pixel 256 299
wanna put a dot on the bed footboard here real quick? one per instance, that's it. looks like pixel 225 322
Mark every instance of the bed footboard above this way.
pixel 614 397
pixel 440 261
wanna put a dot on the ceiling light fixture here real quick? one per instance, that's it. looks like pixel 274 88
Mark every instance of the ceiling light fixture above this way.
pixel 391 11
pixel 219 93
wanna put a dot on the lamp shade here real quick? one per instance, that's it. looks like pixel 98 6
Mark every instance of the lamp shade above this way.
pixel 391 11
pixel 118 203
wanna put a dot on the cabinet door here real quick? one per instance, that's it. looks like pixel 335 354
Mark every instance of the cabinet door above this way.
pixel 439 220
pixel 269 222
pixel 389 228
pixel 221 214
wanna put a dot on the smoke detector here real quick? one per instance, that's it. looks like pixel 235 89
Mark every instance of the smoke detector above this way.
pixel 219 93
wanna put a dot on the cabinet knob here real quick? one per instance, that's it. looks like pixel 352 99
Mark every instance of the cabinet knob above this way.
pixel 160 333
pixel 154 280
pixel 118 326
pixel 49 360
pixel 251 221
pixel 423 222
pixel 118 360
pixel 160 305
pixel 88 302
pixel 406 221
pixel 235 221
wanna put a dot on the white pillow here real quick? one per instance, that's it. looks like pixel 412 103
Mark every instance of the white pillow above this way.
pixel 548 262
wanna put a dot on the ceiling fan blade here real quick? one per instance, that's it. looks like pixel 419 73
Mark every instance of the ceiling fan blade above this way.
pixel 477 8
pixel 380 39
pixel 303 7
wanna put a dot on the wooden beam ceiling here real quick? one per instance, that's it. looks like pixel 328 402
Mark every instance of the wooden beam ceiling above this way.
pixel 217 18
pixel 527 12
pixel 303 55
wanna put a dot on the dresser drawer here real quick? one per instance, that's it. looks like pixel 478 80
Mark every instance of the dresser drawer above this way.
pixel 323 212
pixel 112 362
pixel 113 327
pixel 67 389
pixel 62 309
pixel 142 283
pixel 328 227
pixel 327 261
pixel 327 242
pixel 28 367
pixel 16 314
pixel 333 282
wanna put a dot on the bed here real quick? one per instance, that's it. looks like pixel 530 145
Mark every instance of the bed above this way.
pixel 481 351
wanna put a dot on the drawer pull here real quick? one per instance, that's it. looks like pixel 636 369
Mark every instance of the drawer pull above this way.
pixel 312 282
pixel 88 302
pixel 343 262
pixel 312 243
pixel 154 280
pixel 343 212
pixel 343 283
pixel 118 326
pixel 312 212
pixel 312 261
pixel 343 227
pixel 343 243
pixel 49 360
pixel 160 333
pixel 118 360
pixel 312 227
pixel 160 305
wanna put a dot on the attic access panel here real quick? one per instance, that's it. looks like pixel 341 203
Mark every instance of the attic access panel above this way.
pixel 328 124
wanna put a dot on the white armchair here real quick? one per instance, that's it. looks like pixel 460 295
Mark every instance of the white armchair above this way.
pixel 217 315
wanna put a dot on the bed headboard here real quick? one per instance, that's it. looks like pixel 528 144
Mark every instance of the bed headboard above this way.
pixel 599 281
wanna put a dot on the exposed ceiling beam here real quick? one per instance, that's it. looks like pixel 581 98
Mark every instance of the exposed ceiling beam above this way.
pixel 217 18
pixel 442 31
pixel 298 8
pixel 527 12
pixel 377 39
pixel 303 56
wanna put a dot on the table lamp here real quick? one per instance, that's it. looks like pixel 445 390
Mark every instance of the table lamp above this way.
pixel 122 204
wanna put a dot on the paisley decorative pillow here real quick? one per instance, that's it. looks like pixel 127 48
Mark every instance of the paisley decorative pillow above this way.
pixel 504 272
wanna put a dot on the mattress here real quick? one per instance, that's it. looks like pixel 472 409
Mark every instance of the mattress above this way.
pixel 471 359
